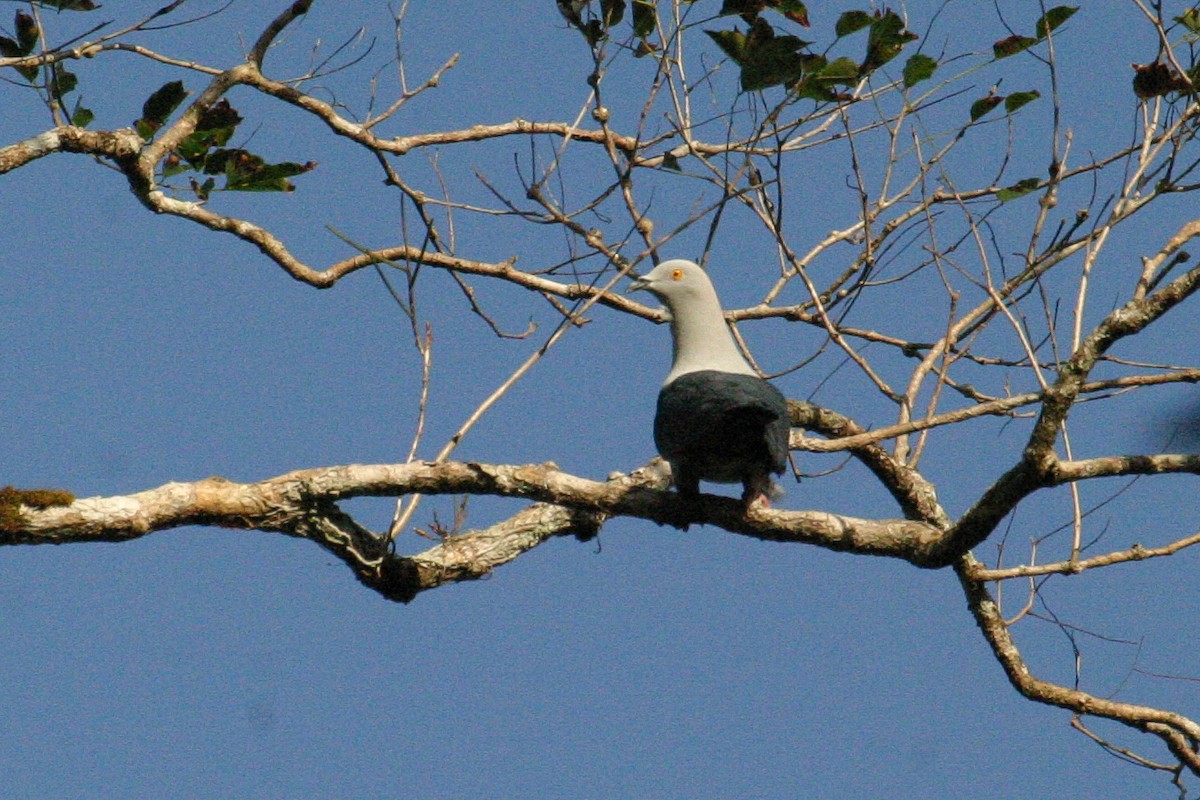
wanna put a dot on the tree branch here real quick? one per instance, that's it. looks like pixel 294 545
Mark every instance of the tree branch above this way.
pixel 1180 734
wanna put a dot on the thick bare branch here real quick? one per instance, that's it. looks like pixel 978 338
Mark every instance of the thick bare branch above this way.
pixel 282 503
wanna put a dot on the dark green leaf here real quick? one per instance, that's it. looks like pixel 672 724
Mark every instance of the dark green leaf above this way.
pixel 1018 99
pixel 162 103
pixel 219 116
pixel 1052 19
pixel 918 68
pixel 851 21
pixel 63 83
pixel 203 190
pixel 766 59
pixel 81 117
pixel 770 60
pixel 215 128
pixel 246 172
pixel 772 69
pixel 885 41
pixel 670 162
pixel 984 104
pixel 816 90
pixel 1012 45
pixel 1018 189
pixel 842 70
pixel 593 31
pixel 68 5
pixel 732 43
pixel 644 18
pixel 748 9
pixel 10 49
pixel 229 162
pixel 613 11
pixel 27 32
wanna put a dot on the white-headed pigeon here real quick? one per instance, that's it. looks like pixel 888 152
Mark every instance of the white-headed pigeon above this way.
pixel 717 420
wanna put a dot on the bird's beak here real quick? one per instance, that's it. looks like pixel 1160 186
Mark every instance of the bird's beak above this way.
pixel 638 285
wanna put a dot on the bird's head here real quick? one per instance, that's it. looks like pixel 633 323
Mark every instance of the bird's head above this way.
pixel 673 281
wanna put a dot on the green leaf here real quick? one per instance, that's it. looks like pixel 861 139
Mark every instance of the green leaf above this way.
pixel 612 11
pixel 918 68
pixel 885 41
pixel 27 32
pixel 62 83
pixel 1052 19
pixel 1018 99
pixel 842 70
pixel 1012 45
pixel 671 162
pixel 26 41
pixel 81 117
pixel 766 59
pixel 215 128
pixel 644 18
pixel 10 49
pixel 984 104
pixel 1018 189
pixel 1190 19
pixel 772 66
pixel 162 103
pixel 732 43
pixel 770 60
pixel 813 89
pixel 851 21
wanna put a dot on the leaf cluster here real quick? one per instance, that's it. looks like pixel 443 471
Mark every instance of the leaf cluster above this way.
pixel 203 151
pixel 768 57
pixel 54 78
pixel 1018 43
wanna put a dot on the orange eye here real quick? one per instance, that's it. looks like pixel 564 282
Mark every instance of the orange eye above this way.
pixel 676 274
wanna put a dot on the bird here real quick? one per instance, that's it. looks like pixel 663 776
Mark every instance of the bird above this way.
pixel 716 419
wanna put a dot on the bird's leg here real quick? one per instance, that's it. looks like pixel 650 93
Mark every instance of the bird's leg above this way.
pixel 687 486
pixel 756 487
pixel 750 496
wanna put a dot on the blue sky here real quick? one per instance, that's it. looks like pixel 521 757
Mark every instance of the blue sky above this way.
pixel 651 663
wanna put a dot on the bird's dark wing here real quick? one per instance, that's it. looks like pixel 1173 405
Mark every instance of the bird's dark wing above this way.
pixel 721 426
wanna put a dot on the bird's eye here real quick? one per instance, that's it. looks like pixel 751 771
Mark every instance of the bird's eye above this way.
pixel 676 274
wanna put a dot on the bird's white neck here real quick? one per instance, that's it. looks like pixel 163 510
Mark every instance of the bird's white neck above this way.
pixel 702 339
